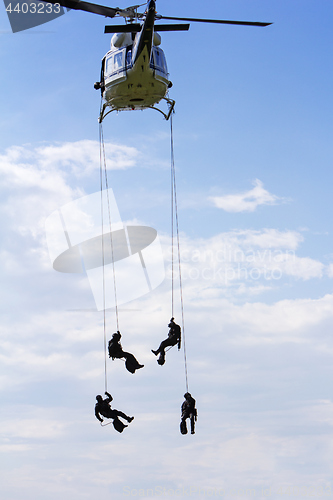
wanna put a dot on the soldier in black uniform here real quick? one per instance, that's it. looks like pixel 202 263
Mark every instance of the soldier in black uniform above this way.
pixel 103 408
pixel 188 411
pixel 116 351
pixel 174 337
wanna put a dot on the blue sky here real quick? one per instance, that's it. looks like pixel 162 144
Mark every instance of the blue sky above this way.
pixel 253 150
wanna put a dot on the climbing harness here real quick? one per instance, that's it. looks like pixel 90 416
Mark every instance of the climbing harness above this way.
pixel 104 425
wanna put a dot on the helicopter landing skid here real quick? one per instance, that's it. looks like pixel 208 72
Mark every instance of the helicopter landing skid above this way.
pixel 102 115
pixel 170 102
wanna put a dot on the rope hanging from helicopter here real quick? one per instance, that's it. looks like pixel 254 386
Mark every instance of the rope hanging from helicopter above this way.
pixel 175 222
pixel 103 167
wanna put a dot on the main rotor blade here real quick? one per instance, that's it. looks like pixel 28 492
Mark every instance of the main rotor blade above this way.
pixel 216 21
pixel 86 6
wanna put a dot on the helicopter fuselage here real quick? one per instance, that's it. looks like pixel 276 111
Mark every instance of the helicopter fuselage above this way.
pixel 138 85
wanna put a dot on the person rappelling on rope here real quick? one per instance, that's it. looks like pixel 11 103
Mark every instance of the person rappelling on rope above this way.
pixel 116 351
pixel 188 411
pixel 103 408
pixel 174 337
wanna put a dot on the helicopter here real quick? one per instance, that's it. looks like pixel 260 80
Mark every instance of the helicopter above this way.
pixel 134 72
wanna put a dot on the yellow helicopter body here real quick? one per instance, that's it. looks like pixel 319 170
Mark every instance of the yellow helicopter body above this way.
pixel 134 86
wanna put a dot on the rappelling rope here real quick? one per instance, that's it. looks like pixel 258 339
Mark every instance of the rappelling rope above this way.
pixel 103 166
pixel 110 226
pixel 174 210
pixel 172 221
pixel 103 260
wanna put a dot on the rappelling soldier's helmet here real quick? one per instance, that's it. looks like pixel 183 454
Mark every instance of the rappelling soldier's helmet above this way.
pixel 116 336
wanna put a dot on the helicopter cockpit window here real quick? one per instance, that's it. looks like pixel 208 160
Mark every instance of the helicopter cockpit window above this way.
pixel 118 61
pixel 128 57
pixel 159 60
pixel 164 64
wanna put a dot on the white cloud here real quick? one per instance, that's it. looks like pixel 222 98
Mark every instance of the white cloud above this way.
pixel 270 238
pixel 32 165
pixel 83 156
pixel 330 270
pixel 31 428
pixel 285 320
pixel 246 202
